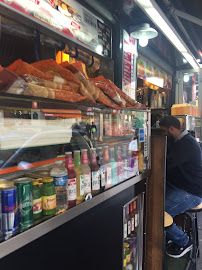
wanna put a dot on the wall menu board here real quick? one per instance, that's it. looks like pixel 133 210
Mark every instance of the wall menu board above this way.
pixel 70 18
pixel 129 65
pixel 153 74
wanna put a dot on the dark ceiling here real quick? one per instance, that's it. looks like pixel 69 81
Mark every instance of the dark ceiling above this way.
pixel 194 30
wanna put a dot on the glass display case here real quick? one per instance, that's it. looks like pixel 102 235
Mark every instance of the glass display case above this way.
pixel 32 140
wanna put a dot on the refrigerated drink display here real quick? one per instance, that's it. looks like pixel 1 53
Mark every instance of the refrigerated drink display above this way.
pixel 133 243
pixel 72 183
pixel 120 165
pixel 113 167
pixel 59 175
pixel 79 177
pixel 101 168
pixel 95 177
pixel 86 172
pixel 108 168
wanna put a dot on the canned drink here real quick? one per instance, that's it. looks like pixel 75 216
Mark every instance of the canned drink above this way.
pixel 9 218
pixel 25 202
pixel 5 183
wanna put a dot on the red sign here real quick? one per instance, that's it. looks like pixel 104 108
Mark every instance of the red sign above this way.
pixel 34 104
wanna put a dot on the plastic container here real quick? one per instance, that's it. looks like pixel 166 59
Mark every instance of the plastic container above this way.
pixel 48 197
pixel 59 174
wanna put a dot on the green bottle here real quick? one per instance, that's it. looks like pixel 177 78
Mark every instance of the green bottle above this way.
pixel 37 200
pixel 48 197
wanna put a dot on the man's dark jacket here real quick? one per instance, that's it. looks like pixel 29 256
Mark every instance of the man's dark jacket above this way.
pixel 184 165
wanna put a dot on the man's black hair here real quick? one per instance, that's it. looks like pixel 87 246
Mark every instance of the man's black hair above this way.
pixel 168 121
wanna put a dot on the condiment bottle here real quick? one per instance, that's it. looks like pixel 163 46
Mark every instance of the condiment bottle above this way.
pixel 94 173
pixel 72 183
pixel 107 166
pixel 48 196
pixel 86 171
pixel 79 177
pixel 101 168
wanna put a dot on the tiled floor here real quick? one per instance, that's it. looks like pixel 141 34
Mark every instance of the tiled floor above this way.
pixel 181 263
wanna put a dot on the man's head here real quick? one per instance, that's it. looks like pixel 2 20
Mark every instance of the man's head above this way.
pixel 170 126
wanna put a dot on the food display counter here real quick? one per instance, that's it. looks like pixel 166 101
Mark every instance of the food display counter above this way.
pixel 66 115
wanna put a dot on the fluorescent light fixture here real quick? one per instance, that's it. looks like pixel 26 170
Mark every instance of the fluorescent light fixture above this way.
pixel 151 8
pixel 190 59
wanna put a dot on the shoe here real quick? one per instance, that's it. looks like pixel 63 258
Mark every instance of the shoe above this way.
pixel 175 251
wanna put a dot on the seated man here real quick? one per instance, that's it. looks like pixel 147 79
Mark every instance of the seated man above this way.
pixel 183 180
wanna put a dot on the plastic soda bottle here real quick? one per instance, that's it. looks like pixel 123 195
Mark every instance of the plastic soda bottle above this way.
pixel 79 177
pixel 72 184
pixel 125 161
pixel 113 166
pixel 59 174
pixel 37 200
pixel 94 173
pixel 48 196
pixel 86 171
pixel 101 168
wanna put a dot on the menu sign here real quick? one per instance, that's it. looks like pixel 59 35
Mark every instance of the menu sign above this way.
pixel 153 74
pixel 129 60
pixel 71 19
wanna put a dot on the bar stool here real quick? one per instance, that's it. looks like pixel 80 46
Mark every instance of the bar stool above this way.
pixel 168 222
pixel 195 253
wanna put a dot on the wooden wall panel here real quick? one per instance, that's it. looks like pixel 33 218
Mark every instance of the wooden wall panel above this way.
pixel 155 205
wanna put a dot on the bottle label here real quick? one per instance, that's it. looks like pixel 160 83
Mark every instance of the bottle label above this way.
pixel 136 220
pixel 95 181
pixel 114 173
pixel 132 224
pixel 82 186
pixel 60 180
pixel 109 175
pixel 37 206
pixel 125 230
pixel 49 202
pixel 84 158
pixel 102 176
pixel 129 227
pixel 69 164
pixel 71 189
pixel 87 182
pixel 93 158
pixel 120 171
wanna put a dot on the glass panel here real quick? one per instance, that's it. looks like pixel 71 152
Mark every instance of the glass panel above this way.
pixel 190 88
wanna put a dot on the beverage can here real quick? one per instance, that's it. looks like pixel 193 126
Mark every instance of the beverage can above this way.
pixel 9 211
pixel 25 202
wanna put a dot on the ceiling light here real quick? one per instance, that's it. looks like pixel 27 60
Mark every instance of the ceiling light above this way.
pixel 186 77
pixel 143 32
pixel 191 60
pixel 151 8
pixel 184 60
pixel 143 41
